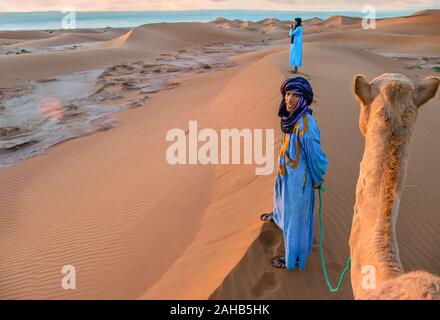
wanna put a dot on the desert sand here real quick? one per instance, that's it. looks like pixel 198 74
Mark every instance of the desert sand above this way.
pixel 136 227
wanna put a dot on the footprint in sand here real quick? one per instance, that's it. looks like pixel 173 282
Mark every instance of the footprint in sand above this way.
pixel 300 74
pixel 270 239
pixel 268 282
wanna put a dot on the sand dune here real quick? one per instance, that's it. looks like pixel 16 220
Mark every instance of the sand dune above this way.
pixel 71 38
pixel 341 21
pixel 18 69
pixel 126 225
pixel 424 23
pixel 267 26
pixel 142 42
pixel 275 25
pixel 240 103
pixel 89 230
pixel 432 12
pixel 164 37
pixel 222 22
pixel 420 23
pixel 413 25
pixel 25 35
pixel 407 37
pixel 400 45
pixel 312 21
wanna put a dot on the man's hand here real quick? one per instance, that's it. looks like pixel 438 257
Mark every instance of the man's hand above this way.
pixel 318 185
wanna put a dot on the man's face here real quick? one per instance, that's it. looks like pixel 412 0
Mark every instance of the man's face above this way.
pixel 291 101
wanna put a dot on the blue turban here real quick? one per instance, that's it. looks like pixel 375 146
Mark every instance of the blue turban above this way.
pixel 301 87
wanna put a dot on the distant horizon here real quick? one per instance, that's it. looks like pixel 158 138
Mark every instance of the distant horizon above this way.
pixel 52 20
pixel 192 5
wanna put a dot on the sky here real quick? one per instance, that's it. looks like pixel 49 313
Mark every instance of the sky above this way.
pixel 300 5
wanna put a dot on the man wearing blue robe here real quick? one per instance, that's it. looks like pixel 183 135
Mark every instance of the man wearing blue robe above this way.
pixel 296 45
pixel 302 166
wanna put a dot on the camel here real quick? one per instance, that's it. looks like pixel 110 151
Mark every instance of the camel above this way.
pixel 388 109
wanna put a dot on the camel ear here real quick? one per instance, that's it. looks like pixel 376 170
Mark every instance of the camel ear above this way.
pixel 425 90
pixel 362 89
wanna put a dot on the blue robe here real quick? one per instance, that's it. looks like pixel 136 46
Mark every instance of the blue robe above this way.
pixel 294 195
pixel 296 47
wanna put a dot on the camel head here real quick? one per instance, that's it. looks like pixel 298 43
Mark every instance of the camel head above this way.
pixel 392 100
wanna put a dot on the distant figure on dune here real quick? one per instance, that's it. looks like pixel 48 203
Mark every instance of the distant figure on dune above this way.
pixel 296 44
pixel 302 166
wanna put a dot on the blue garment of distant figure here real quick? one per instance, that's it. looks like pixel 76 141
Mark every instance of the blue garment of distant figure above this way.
pixel 294 194
pixel 296 47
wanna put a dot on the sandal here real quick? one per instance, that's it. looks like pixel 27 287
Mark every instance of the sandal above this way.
pixel 279 262
pixel 266 217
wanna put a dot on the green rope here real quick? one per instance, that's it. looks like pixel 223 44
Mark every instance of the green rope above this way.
pixel 321 251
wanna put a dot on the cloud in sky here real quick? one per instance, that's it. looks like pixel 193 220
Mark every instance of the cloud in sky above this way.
pixel 108 5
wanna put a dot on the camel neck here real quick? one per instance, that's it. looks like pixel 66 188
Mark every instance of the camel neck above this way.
pixel 373 239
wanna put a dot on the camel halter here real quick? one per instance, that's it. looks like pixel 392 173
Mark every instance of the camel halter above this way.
pixel 321 251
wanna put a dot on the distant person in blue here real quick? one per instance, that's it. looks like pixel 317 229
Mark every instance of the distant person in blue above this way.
pixel 302 166
pixel 295 33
